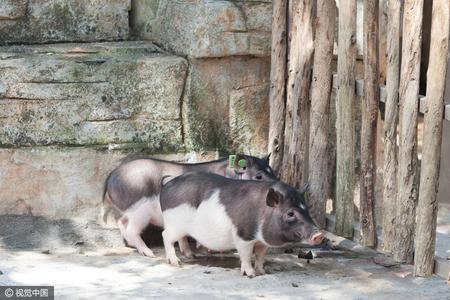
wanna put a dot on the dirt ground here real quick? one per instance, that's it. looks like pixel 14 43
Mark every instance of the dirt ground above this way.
pixel 85 261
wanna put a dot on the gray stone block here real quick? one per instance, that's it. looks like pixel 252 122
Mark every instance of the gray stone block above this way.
pixel 12 9
pixel 56 182
pixel 213 86
pixel 249 119
pixel 37 21
pixel 90 94
pixel 204 28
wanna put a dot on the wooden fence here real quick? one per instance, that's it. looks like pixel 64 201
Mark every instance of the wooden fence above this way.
pixel 303 36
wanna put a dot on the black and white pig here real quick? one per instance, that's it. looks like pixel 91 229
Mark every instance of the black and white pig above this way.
pixel 224 214
pixel 133 188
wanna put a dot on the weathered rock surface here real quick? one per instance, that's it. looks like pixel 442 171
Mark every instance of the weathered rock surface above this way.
pixel 225 104
pixel 53 182
pixel 57 182
pixel 37 21
pixel 249 115
pixel 13 9
pixel 203 28
pixel 69 112
pixel 85 94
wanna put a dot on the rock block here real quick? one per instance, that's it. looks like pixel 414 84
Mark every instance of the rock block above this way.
pixel 249 119
pixel 204 28
pixel 37 21
pixel 213 86
pixel 57 182
pixel 12 9
pixel 90 94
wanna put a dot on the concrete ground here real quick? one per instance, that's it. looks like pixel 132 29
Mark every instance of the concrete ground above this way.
pixel 95 275
pixel 85 261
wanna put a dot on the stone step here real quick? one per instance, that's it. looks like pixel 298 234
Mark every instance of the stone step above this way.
pixel 91 94
pixel 37 21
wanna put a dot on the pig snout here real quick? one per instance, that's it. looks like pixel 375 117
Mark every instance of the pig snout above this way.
pixel 317 238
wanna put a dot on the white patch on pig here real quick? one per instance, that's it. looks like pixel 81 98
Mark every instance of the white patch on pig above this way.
pixel 259 234
pixel 245 250
pixel 145 211
pixel 136 218
pixel 209 224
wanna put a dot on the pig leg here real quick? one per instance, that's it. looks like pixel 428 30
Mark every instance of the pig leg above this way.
pixel 245 250
pixel 185 248
pixel 169 238
pixel 136 218
pixel 131 232
pixel 260 254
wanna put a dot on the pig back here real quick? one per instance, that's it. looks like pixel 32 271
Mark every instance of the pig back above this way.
pixel 136 179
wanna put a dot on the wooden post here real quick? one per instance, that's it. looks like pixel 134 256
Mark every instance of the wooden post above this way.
pixel 369 109
pixel 320 110
pixel 295 155
pixel 345 108
pixel 407 156
pixel 390 123
pixel 432 140
pixel 277 96
pixel 382 39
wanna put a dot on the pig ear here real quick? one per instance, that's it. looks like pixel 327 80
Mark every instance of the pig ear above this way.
pixel 273 198
pixel 267 158
pixel 305 188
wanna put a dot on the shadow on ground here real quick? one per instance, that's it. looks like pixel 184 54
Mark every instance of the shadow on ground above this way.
pixel 34 232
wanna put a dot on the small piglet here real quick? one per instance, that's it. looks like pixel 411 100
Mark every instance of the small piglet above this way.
pixel 224 214
pixel 133 188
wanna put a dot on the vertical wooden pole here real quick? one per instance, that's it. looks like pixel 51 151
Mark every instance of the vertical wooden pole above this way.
pixel 382 38
pixel 295 155
pixel 277 96
pixel 432 140
pixel 345 107
pixel 390 123
pixel 407 156
pixel 369 109
pixel 320 109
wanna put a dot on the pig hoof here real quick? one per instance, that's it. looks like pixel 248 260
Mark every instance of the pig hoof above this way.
pixel 249 272
pixel 174 261
pixel 189 255
pixel 146 252
pixel 260 271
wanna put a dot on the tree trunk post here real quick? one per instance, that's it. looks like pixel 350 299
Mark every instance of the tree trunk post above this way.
pixel 301 49
pixel 390 124
pixel 432 141
pixel 369 109
pixel 320 110
pixel 407 156
pixel 345 108
pixel 277 96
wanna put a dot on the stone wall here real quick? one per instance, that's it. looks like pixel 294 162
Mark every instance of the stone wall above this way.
pixel 227 44
pixel 194 80
pixel 225 100
pixel 37 21
pixel 91 94
pixel 203 28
